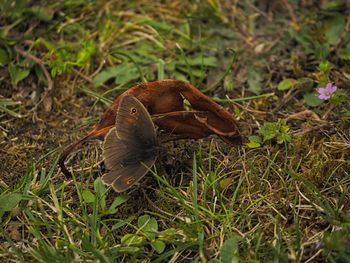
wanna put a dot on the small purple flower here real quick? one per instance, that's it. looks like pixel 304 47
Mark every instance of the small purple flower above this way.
pixel 325 93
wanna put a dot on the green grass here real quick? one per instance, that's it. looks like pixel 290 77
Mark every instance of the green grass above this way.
pixel 282 196
pixel 249 209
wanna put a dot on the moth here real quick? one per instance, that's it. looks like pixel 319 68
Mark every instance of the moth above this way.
pixel 130 147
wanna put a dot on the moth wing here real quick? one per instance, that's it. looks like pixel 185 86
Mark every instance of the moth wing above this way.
pixel 135 127
pixel 115 150
pixel 125 177
pixel 127 149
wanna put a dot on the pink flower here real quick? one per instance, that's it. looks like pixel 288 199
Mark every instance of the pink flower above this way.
pixel 325 93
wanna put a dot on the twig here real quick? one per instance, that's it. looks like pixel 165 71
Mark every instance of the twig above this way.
pixel 312 129
pixel 285 99
pixel 98 69
pixel 291 13
pixel 325 116
pixel 248 109
pixel 176 113
pixel 46 73
pixel 302 114
pixel 262 96
pixel 40 63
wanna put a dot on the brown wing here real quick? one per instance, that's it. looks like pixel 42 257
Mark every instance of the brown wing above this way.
pixel 129 146
pixel 114 150
pixel 125 177
pixel 134 124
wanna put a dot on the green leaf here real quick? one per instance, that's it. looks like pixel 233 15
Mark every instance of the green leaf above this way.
pixel 99 187
pixel 305 84
pixel 255 138
pixel 339 97
pixel 225 183
pixel 4 57
pixel 269 130
pixel 9 202
pixel 253 145
pixel 123 73
pixel 285 129
pixel 334 28
pixel 145 53
pixel 143 220
pixel 159 25
pixel 254 81
pixel 199 61
pixel 161 64
pixel 13 9
pixel 312 100
pixel 85 54
pixel 100 190
pixel 229 251
pixel 344 53
pixel 321 50
pixel 229 83
pixel 284 137
pixel 42 13
pixel 304 37
pixel 168 234
pixel 179 76
pixel 332 5
pixel 105 75
pixel 148 225
pixel 117 202
pixel 158 246
pixel 127 250
pixel 131 239
pixel 126 73
pixel 88 196
pixel 17 74
pixel 325 66
pixel 254 141
pixel 286 84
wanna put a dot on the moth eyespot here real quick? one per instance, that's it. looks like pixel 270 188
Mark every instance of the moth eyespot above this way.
pixel 130 181
pixel 133 110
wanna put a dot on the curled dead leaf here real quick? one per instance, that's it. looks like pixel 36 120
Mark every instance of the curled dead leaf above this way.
pixel 164 99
